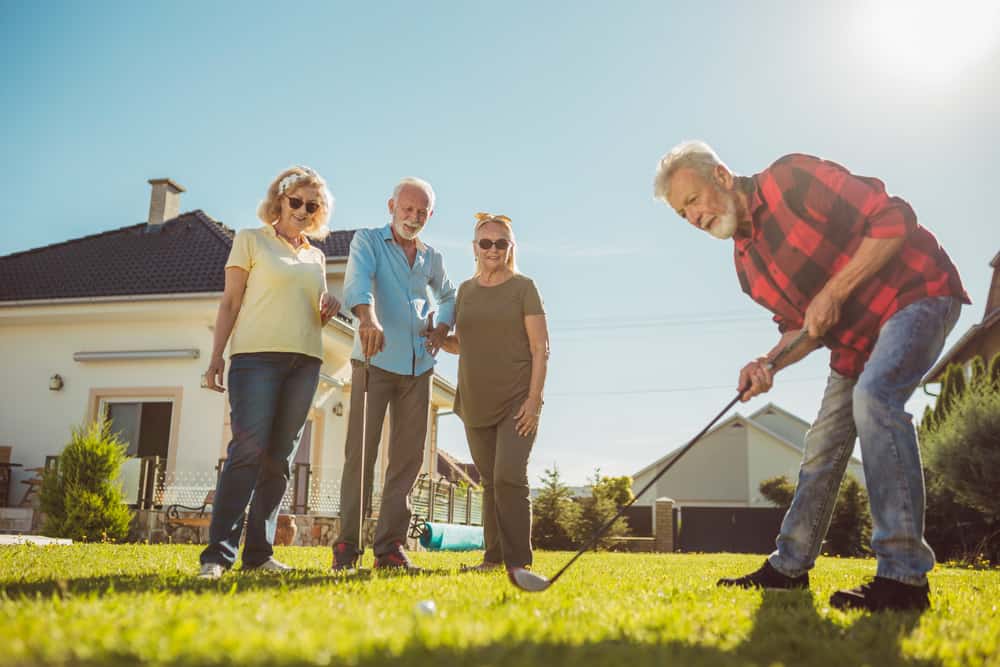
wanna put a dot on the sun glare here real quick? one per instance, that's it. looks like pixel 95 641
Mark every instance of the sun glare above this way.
pixel 920 39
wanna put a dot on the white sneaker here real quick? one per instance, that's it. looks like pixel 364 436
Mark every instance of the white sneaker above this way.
pixel 211 571
pixel 270 565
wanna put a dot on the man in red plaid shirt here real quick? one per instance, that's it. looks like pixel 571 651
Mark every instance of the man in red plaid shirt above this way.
pixel 833 253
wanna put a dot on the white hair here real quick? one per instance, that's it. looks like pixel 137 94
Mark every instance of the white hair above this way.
pixel 695 155
pixel 417 183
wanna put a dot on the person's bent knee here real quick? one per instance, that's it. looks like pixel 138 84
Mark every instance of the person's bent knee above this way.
pixel 870 399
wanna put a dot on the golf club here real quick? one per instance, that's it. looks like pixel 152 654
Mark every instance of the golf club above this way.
pixel 364 439
pixel 534 583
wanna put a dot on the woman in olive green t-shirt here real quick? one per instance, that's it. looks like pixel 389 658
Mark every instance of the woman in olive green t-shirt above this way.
pixel 503 346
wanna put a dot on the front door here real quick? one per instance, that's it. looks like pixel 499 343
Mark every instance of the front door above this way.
pixel 144 429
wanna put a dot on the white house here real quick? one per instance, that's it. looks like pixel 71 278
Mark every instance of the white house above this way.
pixel 119 324
pixel 725 468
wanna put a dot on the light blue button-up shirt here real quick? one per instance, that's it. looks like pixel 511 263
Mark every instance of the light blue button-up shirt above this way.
pixel 378 272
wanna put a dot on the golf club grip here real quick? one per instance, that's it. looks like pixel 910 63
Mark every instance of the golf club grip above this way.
pixel 670 464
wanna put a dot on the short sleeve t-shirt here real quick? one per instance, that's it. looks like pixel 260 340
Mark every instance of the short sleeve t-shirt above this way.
pixel 494 368
pixel 280 311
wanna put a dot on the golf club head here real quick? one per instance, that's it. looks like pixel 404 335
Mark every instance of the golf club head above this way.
pixel 527 581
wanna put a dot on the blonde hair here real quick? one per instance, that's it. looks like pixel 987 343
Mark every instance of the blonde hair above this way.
pixel 269 210
pixel 483 219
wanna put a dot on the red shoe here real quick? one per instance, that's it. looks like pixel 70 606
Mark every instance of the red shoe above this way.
pixel 395 560
pixel 345 556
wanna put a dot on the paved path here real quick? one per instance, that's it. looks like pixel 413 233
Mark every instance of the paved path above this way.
pixel 32 539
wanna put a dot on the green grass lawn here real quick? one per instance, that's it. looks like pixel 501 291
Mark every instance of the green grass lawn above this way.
pixel 103 604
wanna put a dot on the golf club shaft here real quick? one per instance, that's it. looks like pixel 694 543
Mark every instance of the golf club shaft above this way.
pixel 621 512
pixel 364 438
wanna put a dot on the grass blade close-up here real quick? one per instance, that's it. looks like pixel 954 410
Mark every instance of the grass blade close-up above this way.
pixel 104 604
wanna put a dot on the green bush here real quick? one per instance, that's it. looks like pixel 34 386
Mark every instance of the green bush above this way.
pixel 779 490
pixel 963 448
pixel 958 441
pixel 994 370
pixel 79 497
pixel 954 530
pixel 850 528
pixel 554 514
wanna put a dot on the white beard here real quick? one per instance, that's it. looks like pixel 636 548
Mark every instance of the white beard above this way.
pixel 725 225
pixel 405 233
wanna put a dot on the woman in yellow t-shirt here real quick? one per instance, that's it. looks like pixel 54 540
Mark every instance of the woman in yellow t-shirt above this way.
pixel 503 346
pixel 274 305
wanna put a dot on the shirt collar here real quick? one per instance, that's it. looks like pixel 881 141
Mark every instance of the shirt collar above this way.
pixel 274 234
pixel 748 186
pixel 387 236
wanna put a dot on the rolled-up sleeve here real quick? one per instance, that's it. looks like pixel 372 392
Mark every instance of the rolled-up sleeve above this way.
pixel 359 277
pixel 444 292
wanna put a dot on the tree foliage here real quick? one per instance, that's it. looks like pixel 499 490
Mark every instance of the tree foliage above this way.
pixel 960 443
pixel 607 495
pixel 850 527
pixel 554 514
pixel 963 446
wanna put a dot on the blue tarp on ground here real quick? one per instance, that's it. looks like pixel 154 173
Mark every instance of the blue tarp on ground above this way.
pixel 451 537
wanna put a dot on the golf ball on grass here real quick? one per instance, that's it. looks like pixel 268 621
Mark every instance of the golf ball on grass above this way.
pixel 425 608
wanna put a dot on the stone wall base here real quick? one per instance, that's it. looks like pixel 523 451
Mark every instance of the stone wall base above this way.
pixel 311 530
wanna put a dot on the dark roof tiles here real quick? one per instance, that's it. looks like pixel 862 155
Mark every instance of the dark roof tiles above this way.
pixel 184 255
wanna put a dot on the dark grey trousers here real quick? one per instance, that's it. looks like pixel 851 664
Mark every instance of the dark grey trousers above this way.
pixel 501 456
pixel 406 397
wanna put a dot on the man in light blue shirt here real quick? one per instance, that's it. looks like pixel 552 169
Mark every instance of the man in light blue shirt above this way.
pixel 390 280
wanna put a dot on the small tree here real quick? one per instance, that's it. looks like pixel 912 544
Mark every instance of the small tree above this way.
pixel 851 524
pixel 961 523
pixel 554 513
pixel 779 490
pixel 601 506
pixel 850 529
pixel 617 489
pixel 993 370
pixel 79 497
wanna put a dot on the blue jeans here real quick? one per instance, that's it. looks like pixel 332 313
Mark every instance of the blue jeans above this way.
pixel 269 398
pixel 871 408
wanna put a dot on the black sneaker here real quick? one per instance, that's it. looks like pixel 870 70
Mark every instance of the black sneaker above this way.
pixel 767 577
pixel 882 594
pixel 345 556
pixel 395 560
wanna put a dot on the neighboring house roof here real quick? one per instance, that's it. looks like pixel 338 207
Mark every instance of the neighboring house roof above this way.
pixel 456 470
pixel 184 255
pixel 781 411
pixel 949 357
pixel 745 421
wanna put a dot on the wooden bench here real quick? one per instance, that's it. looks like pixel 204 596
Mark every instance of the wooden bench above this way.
pixel 190 524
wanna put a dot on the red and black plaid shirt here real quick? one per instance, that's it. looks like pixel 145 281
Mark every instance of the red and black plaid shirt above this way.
pixel 808 218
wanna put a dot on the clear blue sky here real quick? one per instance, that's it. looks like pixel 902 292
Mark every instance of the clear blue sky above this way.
pixel 552 113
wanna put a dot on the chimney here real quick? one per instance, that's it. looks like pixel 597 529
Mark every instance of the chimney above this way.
pixel 165 200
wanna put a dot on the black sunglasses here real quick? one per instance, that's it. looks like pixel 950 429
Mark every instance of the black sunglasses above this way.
pixel 296 203
pixel 501 244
